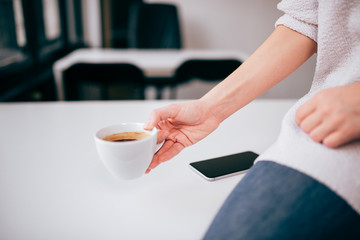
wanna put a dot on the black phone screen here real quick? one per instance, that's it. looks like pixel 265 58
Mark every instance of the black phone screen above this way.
pixel 225 166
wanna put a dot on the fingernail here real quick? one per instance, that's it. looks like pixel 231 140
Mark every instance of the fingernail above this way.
pixel 147 125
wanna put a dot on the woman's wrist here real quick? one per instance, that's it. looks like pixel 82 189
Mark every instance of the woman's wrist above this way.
pixel 215 107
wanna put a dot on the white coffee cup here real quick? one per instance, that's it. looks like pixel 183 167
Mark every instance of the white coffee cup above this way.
pixel 129 159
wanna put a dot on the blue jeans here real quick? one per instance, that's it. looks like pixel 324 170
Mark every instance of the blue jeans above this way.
pixel 276 202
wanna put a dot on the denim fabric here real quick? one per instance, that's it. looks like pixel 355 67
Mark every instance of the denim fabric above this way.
pixel 276 202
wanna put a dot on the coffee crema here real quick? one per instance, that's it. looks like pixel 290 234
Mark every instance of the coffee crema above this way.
pixel 126 136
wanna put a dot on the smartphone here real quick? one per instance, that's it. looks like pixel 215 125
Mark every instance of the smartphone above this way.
pixel 226 166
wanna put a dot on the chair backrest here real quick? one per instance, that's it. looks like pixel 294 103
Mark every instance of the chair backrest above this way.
pixel 154 26
pixel 205 69
pixel 99 81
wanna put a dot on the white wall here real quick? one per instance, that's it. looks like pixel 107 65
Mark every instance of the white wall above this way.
pixel 223 24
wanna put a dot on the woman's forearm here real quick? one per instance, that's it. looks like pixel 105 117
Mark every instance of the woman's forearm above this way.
pixel 280 55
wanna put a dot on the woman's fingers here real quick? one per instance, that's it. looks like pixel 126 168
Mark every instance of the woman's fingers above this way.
pixel 320 132
pixel 159 115
pixel 304 111
pixel 311 122
pixel 169 150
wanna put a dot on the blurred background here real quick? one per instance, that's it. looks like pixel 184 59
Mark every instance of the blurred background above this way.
pixel 35 34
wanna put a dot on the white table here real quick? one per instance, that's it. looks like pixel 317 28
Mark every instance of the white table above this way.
pixel 53 185
pixel 154 63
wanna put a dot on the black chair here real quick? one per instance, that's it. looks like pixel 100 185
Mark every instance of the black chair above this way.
pixel 203 69
pixel 154 26
pixel 89 81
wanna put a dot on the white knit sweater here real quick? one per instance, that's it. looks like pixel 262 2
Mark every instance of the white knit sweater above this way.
pixel 335 26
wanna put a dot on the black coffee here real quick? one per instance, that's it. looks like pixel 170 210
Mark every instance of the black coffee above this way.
pixel 126 136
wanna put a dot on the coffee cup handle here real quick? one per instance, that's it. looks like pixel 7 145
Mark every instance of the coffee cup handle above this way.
pixel 158 146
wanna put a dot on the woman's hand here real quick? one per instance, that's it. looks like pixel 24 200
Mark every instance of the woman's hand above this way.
pixel 180 125
pixel 332 117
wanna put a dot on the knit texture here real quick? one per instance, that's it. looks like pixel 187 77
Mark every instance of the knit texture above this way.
pixel 335 26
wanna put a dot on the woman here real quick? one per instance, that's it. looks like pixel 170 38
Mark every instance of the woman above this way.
pixel 307 184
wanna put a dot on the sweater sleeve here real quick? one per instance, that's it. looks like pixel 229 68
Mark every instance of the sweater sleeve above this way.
pixel 300 16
